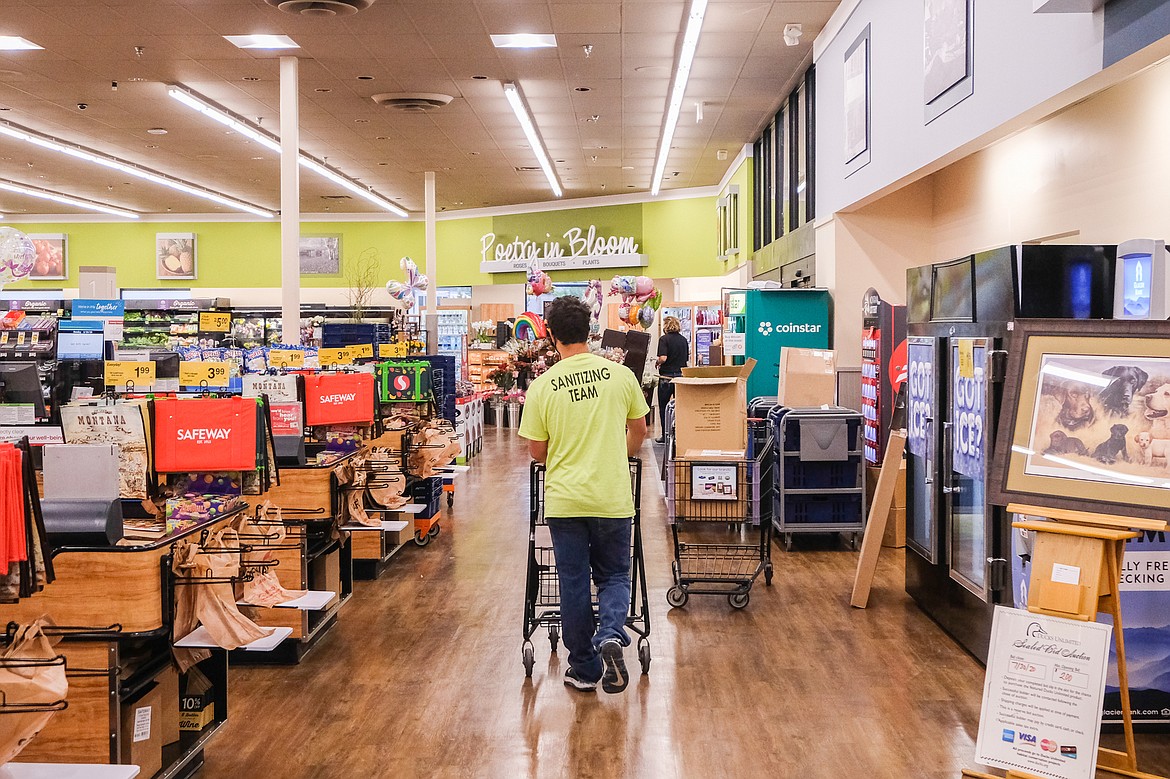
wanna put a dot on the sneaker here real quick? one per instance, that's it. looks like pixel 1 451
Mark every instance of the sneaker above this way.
pixel 659 440
pixel 577 683
pixel 615 677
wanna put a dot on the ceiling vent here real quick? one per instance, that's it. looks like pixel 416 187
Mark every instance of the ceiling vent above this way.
pixel 321 7
pixel 336 197
pixel 527 168
pixel 412 101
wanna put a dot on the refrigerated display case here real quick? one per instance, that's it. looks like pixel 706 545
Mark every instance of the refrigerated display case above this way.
pixel 454 327
pixel 170 323
pixel 700 323
pixel 959 316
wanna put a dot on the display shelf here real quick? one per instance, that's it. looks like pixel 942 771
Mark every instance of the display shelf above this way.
pixel 67 771
pixel 375 545
pixel 201 639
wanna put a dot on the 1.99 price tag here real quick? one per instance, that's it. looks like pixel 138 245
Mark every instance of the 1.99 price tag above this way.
pixel 121 372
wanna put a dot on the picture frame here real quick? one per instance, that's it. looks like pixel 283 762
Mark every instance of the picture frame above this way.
pixel 52 256
pixel 320 255
pixel 1085 420
pixel 948 55
pixel 856 88
pixel 175 256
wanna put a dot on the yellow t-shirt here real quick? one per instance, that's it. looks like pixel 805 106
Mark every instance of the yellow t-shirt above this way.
pixel 580 406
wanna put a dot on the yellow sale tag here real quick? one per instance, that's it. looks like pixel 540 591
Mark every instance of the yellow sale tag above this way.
pixel 120 372
pixel 362 350
pixel 966 358
pixel 392 350
pixel 340 356
pixel 286 358
pixel 200 374
pixel 215 321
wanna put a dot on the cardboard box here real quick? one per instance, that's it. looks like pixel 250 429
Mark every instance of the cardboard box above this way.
pixel 711 408
pixel 895 535
pixel 872 473
pixel 326 572
pixel 808 377
pixel 168 686
pixel 142 735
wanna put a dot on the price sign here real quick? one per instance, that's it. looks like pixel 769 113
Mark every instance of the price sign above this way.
pixel 215 321
pixel 118 372
pixel 286 358
pixel 391 350
pixel 967 358
pixel 195 374
pixel 341 356
pixel 362 350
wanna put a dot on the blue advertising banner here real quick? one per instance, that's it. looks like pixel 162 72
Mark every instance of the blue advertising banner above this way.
pixel 98 309
pixel 920 396
pixel 969 406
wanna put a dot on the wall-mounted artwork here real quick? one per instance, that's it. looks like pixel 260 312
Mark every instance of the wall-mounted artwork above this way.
pixel 52 256
pixel 857 103
pixel 320 255
pixel 175 256
pixel 947 55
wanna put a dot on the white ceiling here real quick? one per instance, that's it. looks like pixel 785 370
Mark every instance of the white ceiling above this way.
pixel 474 144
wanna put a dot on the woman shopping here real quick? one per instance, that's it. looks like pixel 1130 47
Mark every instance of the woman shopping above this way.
pixel 673 355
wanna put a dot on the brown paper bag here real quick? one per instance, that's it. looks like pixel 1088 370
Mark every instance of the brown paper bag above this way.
pixel 32 678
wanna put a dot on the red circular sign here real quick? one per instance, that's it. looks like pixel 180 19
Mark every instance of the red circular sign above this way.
pixel 401 383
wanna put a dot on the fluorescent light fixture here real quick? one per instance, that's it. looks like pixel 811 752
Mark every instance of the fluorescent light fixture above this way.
pixel 69 200
pixel 272 143
pixel 516 100
pixel 98 158
pixel 16 43
pixel 525 40
pixel 681 74
pixel 262 41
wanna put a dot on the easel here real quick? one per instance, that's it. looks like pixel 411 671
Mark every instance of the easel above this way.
pixel 1094 545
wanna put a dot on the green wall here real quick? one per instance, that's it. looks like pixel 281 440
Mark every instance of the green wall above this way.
pixel 742 177
pixel 678 235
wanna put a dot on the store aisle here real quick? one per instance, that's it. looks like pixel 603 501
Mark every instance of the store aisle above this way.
pixel 422 676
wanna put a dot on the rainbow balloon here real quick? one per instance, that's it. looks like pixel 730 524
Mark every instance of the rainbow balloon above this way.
pixel 530 327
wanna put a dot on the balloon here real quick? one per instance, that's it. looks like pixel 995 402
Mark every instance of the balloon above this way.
pixel 646 316
pixel 624 311
pixel 643 287
pixel 18 254
pixel 401 295
pixel 632 317
pixel 539 283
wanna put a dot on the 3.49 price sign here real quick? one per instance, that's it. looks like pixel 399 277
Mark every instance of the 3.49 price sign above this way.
pixel 969 406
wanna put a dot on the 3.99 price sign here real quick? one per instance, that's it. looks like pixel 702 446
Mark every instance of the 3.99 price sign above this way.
pixel 204 374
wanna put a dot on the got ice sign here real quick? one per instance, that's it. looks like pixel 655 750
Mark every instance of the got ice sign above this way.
pixel 969 406
pixel 920 399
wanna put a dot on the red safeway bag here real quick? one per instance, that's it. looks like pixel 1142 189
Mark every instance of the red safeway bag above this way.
pixel 204 434
pixel 339 399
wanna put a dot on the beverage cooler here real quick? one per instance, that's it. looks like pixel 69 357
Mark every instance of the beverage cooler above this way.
pixel 700 325
pixel 454 327
pixel 959 314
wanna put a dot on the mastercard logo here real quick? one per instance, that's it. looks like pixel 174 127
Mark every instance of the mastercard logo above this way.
pixel 1048 745
pixel 401 383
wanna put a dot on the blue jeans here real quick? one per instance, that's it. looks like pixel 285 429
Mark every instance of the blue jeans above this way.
pixel 601 547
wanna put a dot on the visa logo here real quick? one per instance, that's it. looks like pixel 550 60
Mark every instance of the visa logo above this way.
pixel 1009 735
pixel 1027 738
pixel 338 399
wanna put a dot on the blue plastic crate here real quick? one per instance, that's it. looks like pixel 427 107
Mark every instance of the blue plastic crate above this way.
pixel 823 509
pixel 800 475
pixel 791 432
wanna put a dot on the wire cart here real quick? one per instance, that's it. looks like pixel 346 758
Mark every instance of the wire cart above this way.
pixel 542 596
pixel 736 494
pixel 820 472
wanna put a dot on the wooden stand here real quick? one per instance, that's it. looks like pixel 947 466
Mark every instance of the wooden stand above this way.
pixel 1094 545
pixel 875 525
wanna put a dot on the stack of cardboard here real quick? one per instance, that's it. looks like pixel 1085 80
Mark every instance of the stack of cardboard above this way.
pixel 808 378
pixel 710 412
pixel 895 535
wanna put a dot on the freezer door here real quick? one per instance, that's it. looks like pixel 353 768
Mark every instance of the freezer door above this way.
pixel 923 430
pixel 969 519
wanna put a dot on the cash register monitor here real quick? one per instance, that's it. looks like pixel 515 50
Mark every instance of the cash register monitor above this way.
pixel 1141 290
pixel 20 384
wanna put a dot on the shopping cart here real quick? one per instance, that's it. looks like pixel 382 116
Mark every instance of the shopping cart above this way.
pixel 725 508
pixel 542 596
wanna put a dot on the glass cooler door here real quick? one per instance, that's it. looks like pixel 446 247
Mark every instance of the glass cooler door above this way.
pixel 922 448
pixel 969 525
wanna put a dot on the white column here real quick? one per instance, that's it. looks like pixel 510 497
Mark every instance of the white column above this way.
pixel 290 203
pixel 432 261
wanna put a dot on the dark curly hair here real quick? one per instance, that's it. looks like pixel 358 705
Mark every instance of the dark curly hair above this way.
pixel 568 320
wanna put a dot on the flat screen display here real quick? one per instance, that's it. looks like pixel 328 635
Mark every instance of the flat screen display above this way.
pixel 79 345
pixel 1136 271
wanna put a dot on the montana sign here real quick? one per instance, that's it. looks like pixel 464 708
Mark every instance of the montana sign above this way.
pixel 584 249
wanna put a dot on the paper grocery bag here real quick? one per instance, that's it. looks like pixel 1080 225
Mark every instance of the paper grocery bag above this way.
pixel 32 677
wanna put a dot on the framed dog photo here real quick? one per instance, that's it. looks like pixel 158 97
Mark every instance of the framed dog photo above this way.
pixel 1086 418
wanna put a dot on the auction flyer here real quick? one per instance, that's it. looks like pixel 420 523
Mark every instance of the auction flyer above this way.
pixel 1042 694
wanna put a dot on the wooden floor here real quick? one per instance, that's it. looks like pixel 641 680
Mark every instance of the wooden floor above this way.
pixel 422 675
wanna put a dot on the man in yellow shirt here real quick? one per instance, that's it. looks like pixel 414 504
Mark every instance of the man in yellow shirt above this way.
pixel 584 418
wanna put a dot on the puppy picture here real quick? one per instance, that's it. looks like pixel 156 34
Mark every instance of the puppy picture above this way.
pixel 1098 418
pixel 1113 448
pixel 1061 443
pixel 1118 395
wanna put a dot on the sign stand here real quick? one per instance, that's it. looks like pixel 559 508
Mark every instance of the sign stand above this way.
pixel 879 514
pixel 1076 574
